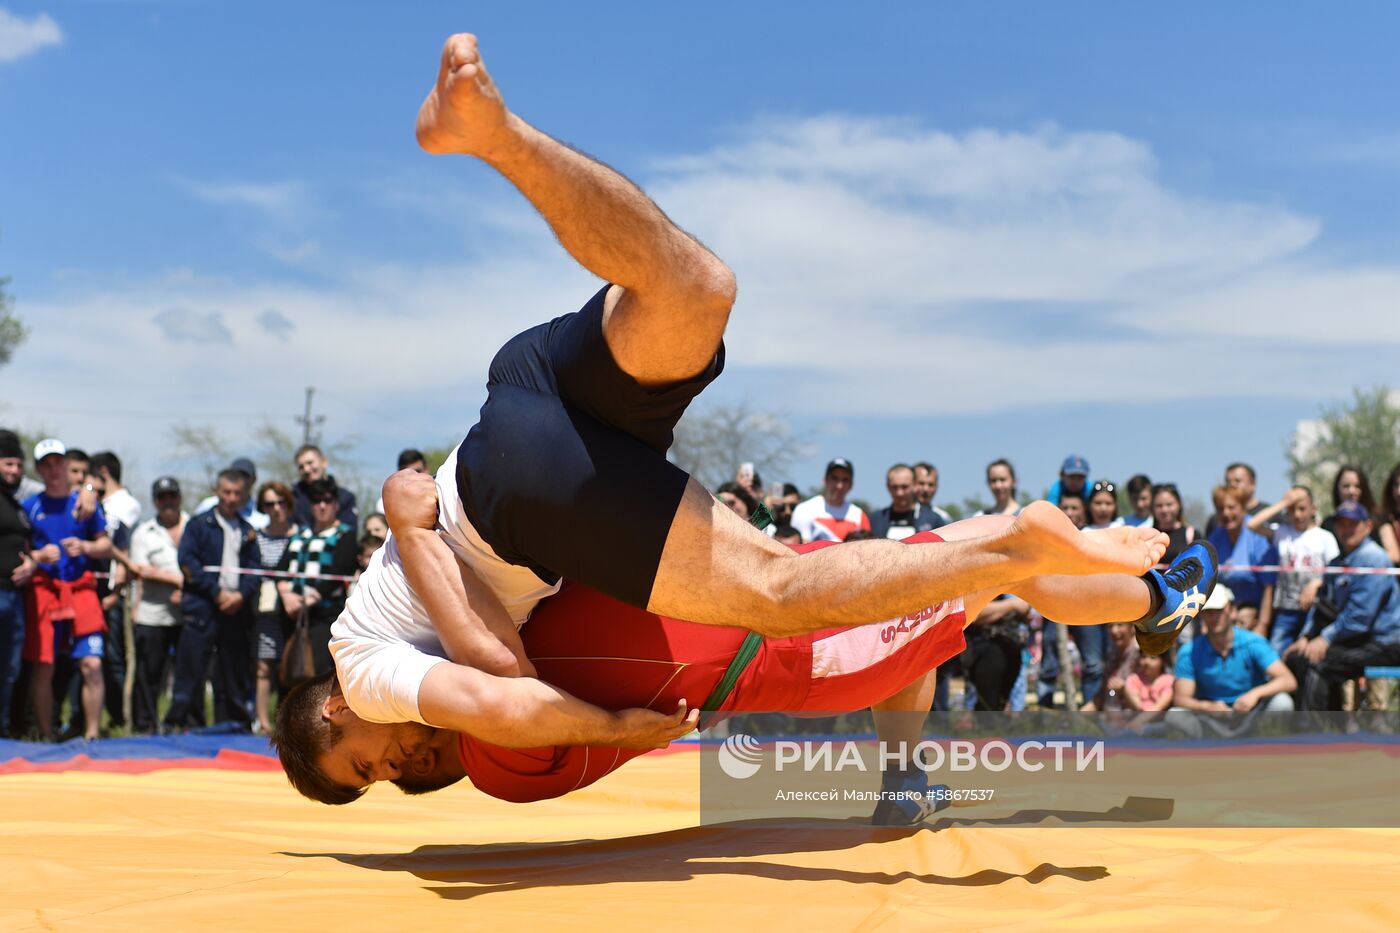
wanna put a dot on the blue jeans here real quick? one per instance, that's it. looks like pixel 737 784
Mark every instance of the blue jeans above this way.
pixel 11 650
pixel 1091 641
pixel 1285 628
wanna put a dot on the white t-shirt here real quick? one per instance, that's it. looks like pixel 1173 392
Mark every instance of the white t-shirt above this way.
pixel 1306 551
pixel 123 507
pixel 151 544
pixel 384 644
pixel 816 520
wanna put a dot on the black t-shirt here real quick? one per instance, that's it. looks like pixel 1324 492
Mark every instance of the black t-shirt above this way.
pixel 15 536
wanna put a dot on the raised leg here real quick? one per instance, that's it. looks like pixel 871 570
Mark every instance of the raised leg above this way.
pixel 664 323
pixel 716 569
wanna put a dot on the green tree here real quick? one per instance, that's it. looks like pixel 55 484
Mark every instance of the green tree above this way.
pixel 1365 432
pixel 12 329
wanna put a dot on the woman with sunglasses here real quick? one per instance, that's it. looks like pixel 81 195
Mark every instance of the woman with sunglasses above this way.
pixel 269 624
pixel 1103 506
pixel 1166 517
pixel 323 557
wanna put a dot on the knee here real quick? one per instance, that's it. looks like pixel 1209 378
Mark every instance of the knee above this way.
pixel 714 284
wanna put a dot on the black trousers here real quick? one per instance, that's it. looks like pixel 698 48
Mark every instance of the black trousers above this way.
pixel 1320 685
pixel 992 665
pixel 205 634
pixel 154 648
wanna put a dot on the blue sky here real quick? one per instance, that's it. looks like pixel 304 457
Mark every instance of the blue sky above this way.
pixel 1157 236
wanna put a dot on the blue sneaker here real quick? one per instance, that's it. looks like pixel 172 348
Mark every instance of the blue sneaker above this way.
pixel 1181 592
pixel 909 801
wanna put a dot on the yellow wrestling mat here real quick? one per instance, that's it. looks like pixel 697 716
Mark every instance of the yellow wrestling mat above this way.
pixel 225 850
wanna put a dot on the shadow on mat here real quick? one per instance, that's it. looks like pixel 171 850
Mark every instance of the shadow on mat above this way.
pixel 680 854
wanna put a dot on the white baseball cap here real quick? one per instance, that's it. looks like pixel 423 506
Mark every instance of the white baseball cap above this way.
pixel 1220 597
pixel 48 447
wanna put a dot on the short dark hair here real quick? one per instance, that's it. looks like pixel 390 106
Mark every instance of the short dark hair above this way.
pixel 1137 484
pixel 234 476
pixel 786 531
pixel 306 447
pixel 1237 465
pixel 106 460
pixel 373 542
pixel 898 466
pixel 76 453
pixel 925 466
pixel 410 455
pixel 325 486
pixel 860 534
pixel 302 736
pixel 790 489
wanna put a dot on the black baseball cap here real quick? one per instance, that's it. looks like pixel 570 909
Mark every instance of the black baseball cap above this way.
pixel 165 484
pixel 840 463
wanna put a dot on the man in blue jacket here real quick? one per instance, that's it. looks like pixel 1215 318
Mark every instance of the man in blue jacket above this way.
pixel 1355 622
pixel 217 609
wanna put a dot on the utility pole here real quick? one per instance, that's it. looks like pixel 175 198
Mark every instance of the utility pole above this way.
pixel 307 422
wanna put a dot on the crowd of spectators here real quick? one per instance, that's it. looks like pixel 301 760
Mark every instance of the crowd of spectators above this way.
pixel 98 604
pixel 1268 640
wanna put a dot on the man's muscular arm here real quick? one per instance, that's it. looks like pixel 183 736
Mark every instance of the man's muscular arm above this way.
pixel 527 713
pixel 471 622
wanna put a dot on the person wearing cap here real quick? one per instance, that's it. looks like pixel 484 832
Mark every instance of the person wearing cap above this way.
pixel 64 614
pixel 216 608
pixel 16 567
pixel 155 562
pixel 829 517
pixel 311 464
pixel 1073 481
pixel 247 511
pixel 1355 621
pixel 1226 679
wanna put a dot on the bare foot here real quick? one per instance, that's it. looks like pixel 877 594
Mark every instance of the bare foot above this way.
pixel 1045 537
pixel 464 111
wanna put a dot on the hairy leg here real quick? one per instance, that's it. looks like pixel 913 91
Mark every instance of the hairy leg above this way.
pixel 716 569
pixel 665 322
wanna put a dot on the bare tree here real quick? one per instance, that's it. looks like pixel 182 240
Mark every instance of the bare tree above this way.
pixel 711 444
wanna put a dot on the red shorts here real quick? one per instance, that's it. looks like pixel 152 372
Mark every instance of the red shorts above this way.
pixel 616 656
pixel 50 601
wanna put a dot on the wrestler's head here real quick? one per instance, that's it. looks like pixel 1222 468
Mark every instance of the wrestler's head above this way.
pixel 331 755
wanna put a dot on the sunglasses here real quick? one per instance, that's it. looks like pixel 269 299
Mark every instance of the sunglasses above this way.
pixel 1102 486
pixel 323 500
pixel 274 503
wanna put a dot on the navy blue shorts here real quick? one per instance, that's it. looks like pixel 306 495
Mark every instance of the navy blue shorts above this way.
pixel 566 472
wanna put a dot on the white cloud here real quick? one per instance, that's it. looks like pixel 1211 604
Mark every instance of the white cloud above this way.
pixel 884 268
pixel 282 201
pixel 20 37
